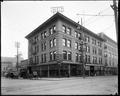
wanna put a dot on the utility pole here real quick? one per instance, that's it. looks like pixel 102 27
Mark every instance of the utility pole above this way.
pixel 115 9
pixel 82 51
pixel 17 45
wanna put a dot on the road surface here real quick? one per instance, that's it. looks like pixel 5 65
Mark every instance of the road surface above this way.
pixel 99 85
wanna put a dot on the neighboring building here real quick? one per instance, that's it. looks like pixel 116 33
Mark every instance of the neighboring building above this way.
pixel 54 48
pixel 8 63
pixel 110 54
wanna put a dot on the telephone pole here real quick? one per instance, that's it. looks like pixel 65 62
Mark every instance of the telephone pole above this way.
pixel 17 45
pixel 115 9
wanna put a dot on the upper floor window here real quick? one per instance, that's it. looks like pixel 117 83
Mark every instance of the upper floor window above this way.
pixel 94 50
pixel 64 29
pixel 100 51
pixel 54 55
pixel 43 34
pixel 69 31
pixel 80 57
pixel 77 35
pixel 87 38
pixel 94 41
pixel 43 46
pixel 65 55
pixel 51 43
pixel 52 30
pixel 76 57
pixel 68 43
pixel 69 55
pixel 51 55
pixel 76 45
pixel 88 49
pixel 44 57
pixel 64 42
pixel 54 42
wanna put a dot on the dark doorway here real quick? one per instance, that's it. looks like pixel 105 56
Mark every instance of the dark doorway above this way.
pixel 92 71
pixel 29 70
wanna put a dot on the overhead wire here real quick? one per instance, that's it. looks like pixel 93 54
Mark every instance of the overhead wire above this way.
pixel 94 16
pixel 108 26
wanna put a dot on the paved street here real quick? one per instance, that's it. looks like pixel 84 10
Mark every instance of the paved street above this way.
pixel 73 86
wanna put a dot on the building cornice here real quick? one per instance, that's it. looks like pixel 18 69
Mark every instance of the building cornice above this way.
pixel 60 16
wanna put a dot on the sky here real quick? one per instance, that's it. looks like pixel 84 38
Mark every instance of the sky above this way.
pixel 19 18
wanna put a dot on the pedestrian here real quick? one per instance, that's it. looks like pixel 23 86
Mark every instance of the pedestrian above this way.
pixel 35 74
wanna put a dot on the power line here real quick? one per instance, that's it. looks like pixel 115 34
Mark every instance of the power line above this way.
pixel 98 13
pixel 94 15
pixel 108 27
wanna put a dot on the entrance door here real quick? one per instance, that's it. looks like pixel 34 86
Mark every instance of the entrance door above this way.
pixel 92 70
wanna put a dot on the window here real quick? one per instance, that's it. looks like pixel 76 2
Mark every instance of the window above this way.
pixel 54 42
pixel 87 39
pixel 76 45
pixel 44 45
pixel 42 58
pixel 54 29
pixel 42 35
pixel 51 31
pixel 54 55
pixel 100 51
pixel 95 51
pixel 65 55
pixel 79 48
pixel 76 35
pixel 80 58
pixel 64 41
pixel 68 43
pixel 88 58
pixel 76 57
pixel 45 35
pixel 88 49
pixel 105 46
pixel 69 31
pixel 51 43
pixel 79 36
pixel 63 29
pixel 95 59
pixel 51 55
pixel 37 48
pixel 37 59
pixel 69 55
pixel 95 42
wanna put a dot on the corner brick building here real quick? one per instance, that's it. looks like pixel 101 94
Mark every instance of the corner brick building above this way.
pixel 54 49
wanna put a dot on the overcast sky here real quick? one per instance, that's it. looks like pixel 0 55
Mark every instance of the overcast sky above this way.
pixel 19 18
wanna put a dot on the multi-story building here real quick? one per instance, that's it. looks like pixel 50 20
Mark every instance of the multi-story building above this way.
pixel 110 55
pixel 54 48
